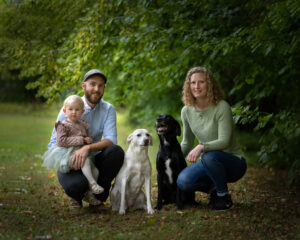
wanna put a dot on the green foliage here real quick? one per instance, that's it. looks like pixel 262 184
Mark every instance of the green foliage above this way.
pixel 32 33
pixel 146 48
pixel 283 143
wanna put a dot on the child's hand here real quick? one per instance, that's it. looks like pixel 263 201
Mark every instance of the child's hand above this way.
pixel 88 140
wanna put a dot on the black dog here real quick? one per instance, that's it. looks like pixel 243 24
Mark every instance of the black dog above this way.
pixel 169 163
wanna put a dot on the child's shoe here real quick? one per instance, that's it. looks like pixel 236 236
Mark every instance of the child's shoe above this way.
pixel 96 189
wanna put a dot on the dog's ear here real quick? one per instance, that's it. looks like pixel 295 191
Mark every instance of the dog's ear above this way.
pixel 129 138
pixel 178 129
pixel 151 139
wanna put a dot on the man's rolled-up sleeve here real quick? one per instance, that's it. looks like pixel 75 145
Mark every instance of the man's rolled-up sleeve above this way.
pixel 110 126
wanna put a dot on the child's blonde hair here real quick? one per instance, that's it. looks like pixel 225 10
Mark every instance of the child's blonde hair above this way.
pixel 74 99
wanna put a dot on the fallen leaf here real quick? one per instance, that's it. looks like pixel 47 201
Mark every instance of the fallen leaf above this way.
pixel 51 175
pixel 44 237
pixel 180 212
pixel 273 209
pixel 25 178
pixel 27 211
pixel 30 236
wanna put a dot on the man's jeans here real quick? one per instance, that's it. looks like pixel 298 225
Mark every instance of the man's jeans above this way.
pixel 108 161
pixel 216 168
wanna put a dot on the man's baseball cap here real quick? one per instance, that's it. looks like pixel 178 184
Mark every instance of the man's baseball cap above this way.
pixel 94 72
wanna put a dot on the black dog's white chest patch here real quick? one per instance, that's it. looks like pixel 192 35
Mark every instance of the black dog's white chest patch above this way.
pixel 169 170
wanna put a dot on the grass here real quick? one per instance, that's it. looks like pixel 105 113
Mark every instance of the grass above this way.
pixel 34 206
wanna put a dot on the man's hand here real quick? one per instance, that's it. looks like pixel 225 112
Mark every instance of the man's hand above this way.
pixel 79 157
pixel 195 153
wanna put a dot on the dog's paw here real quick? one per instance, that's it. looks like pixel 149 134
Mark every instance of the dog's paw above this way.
pixel 150 211
pixel 158 206
pixel 122 212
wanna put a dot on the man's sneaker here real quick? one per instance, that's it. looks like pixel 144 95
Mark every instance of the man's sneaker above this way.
pixel 74 204
pixel 90 198
pixel 213 197
pixel 223 203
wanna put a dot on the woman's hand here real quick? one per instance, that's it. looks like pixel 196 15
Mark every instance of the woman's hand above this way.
pixel 195 153
pixel 79 157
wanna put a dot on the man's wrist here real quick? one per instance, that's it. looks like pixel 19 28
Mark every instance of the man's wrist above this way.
pixel 88 147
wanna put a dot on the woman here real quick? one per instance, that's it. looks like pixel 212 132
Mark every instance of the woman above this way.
pixel 208 118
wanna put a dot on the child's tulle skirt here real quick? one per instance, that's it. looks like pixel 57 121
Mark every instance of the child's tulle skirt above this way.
pixel 60 158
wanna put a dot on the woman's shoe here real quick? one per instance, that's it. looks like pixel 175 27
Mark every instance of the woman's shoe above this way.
pixel 213 197
pixel 223 203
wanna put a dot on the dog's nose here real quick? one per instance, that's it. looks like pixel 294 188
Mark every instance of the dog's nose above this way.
pixel 146 141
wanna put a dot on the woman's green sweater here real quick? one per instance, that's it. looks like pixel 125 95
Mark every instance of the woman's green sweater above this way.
pixel 213 127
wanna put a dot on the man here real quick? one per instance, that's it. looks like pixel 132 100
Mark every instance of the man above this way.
pixel 101 117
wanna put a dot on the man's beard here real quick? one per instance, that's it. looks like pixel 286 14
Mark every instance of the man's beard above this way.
pixel 93 100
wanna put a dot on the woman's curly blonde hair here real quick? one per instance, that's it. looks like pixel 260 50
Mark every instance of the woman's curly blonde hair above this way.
pixel 214 92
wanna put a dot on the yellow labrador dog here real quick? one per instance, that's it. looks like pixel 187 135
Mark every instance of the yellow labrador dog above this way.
pixel 136 171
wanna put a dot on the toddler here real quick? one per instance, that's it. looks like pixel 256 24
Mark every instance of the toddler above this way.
pixel 71 134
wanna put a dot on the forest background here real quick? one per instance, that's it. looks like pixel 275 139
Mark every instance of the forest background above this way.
pixel 145 47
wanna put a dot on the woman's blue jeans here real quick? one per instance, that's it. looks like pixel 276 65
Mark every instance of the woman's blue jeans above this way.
pixel 216 168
